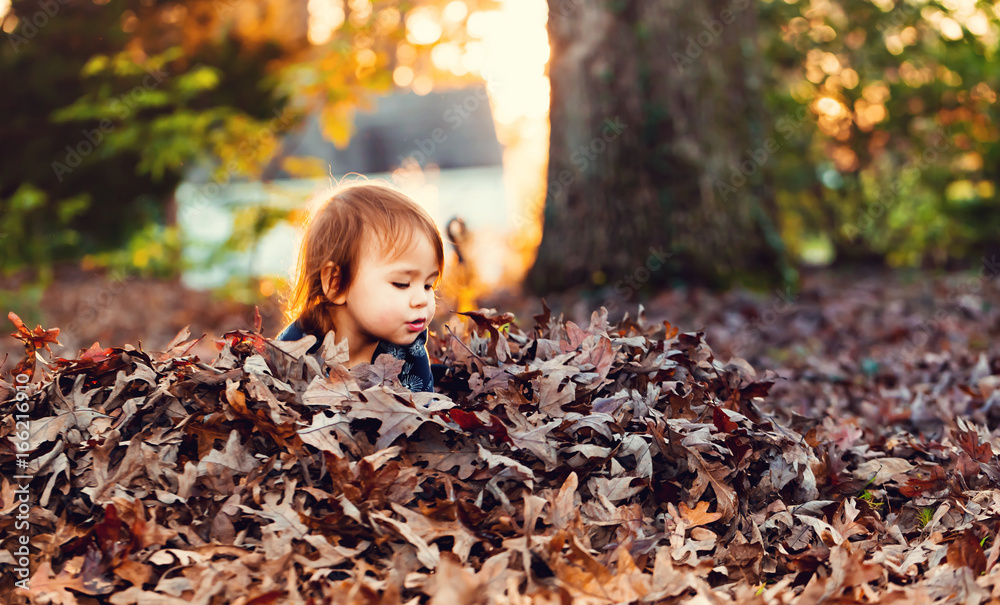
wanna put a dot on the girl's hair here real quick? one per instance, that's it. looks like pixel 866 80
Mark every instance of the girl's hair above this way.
pixel 354 217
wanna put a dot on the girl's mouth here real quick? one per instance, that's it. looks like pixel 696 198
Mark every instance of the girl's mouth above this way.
pixel 416 326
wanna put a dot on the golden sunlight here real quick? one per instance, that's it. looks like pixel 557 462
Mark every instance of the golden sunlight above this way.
pixel 511 55
pixel 325 16
pixel 423 25
pixel 508 49
pixel 456 11
pixel 515 51
pixel 828 106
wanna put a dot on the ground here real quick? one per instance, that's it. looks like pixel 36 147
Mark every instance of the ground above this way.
pixel 827 442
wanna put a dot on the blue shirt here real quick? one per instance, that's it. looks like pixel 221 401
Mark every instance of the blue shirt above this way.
pixel 416 373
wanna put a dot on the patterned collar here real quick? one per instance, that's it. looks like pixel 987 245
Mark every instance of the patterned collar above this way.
pixel 416 373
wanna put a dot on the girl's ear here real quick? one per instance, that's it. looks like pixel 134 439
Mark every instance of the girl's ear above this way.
pixel 330 278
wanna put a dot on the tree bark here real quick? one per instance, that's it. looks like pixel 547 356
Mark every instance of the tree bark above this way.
pixel 655 109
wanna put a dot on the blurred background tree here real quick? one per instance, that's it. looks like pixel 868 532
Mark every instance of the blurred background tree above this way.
pixel 646 124
pixel 116 101
pixel 755 137
pixel 848 131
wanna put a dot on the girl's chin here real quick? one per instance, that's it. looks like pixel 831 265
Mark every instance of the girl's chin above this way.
pixel 405 339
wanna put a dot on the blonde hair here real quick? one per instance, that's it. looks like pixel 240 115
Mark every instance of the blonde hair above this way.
pixel 354 216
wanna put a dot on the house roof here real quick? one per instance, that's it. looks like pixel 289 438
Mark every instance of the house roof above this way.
pixel 452 129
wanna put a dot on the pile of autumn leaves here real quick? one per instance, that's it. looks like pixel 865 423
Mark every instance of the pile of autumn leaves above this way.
pixel 597 464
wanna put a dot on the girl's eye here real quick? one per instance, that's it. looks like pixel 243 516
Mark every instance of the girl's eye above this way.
pixel 428 287
pixel 402 286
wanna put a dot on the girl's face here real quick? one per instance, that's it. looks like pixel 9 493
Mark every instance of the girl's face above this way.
pixel 390 300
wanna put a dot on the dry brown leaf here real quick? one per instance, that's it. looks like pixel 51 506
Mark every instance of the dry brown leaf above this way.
pixel 699 515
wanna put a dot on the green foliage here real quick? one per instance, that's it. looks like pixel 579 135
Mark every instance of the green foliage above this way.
pixel 117 102
pixel 25 206
pixel 871 499
pixel 250 291
pixel 102 131
pixel 173 124
pixel 885 115
pixel 924 516
pixel 153 251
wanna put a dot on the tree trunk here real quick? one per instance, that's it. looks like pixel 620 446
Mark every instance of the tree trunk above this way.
pixel 655 110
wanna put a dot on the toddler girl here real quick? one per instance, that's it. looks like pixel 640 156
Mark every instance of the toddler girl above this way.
pixel 369 263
